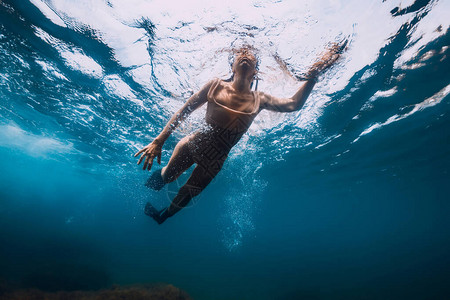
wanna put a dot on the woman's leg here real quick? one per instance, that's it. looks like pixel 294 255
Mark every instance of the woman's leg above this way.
pixel 179 162
pixel 197 182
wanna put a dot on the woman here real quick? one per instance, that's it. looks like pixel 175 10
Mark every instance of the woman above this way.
pixel 231 108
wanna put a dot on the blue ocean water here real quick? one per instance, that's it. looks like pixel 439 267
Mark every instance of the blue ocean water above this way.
pixel 347 199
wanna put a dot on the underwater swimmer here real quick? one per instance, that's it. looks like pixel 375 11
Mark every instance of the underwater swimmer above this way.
pixel 231 108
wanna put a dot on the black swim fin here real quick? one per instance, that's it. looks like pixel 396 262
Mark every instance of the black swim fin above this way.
pixel 155 181
pixel 158 216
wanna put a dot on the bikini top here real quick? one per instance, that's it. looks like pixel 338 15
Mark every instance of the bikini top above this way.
pixel 223 116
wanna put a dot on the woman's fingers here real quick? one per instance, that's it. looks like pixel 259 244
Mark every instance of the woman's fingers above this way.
pixel 149 162
pixel 147 157
pixel 140 151
pixel 141 158
pixel 148 154
pixel 342 46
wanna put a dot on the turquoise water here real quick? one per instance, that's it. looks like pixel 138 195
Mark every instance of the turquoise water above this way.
pixel 347 199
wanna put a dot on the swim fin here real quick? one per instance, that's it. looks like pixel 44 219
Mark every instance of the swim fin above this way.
pixel 158 216
pixel 155 181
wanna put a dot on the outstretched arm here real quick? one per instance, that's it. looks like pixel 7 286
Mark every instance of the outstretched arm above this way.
pixel 297 101
pixel 154 149
pixel 294 103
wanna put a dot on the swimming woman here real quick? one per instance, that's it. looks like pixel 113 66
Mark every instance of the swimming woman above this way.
pixel 231 108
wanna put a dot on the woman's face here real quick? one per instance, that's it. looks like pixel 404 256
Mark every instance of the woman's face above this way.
pixel 245 63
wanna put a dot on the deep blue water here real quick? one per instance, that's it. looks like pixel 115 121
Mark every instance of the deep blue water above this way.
pixel 355 206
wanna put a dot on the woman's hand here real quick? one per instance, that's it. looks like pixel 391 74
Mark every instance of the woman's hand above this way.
pixel 328 59
pixel 149 152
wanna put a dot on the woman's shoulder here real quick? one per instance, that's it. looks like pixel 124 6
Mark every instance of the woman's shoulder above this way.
pixel 214 82
pixel 263 98
pixel 212 86
pixel 218 83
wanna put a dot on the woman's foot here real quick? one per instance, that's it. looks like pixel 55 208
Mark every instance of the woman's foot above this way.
pixel 158 216
pixel 155 181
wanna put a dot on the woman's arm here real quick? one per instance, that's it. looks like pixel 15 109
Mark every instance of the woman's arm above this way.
pixel 154 149
pixel 297 101
pixel 194 102
pixel 294 103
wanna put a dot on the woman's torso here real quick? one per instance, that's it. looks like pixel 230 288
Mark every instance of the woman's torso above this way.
pixel 230 110
pixel 228 117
